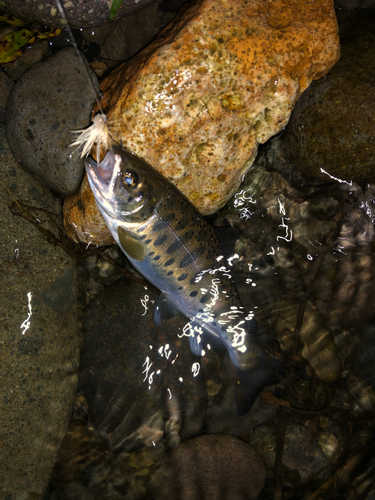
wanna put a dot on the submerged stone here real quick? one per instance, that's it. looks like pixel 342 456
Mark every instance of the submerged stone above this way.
pixel 210 466
pixel 331 131
pixel 140 379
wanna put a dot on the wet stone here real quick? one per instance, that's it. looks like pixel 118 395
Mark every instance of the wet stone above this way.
pixel 302 455
pixel 39 338
pixel 341 107
pixel 180 86
pixel 35 53
pixel 210 466
pixel 221 414
pixel 139 379
pixel 122 38
pixel 79 14
pixel 82 219
pixel 40 118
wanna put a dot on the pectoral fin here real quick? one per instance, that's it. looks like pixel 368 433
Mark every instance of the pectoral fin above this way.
pixel 131 246
pixel 164 309
pixel 196 343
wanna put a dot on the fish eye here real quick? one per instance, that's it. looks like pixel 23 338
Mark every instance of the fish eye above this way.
pixel 130 179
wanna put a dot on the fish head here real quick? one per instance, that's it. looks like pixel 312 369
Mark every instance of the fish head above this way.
pixel 125 187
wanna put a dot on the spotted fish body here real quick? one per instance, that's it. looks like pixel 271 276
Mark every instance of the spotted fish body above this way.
pixel 170 244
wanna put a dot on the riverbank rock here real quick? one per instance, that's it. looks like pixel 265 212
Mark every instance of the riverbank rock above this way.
pixel 39 338
pixel 331 131
pixel 45 105
pixel 80 14
pixel 220 79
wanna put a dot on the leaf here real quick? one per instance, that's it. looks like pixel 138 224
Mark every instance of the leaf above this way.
pixel 14 21
pixel 13 45
pixel 116 4
pixel 48 34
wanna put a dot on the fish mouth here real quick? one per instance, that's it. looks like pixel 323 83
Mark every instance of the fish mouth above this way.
pixel 102 179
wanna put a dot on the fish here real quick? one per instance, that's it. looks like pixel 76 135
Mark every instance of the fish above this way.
pixel 169 242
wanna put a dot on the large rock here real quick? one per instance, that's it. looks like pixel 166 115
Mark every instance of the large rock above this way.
pixel 39 339
pixel 124 37
pixel 80 14
pixel 331 130
pixel 82 219
pixel 219 80
pixel 49 101
pixel 302 457
pixel 208 467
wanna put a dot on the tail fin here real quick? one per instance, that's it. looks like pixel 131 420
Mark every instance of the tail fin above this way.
pixel 249 384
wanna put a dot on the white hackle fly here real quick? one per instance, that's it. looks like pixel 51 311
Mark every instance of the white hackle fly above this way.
pixel 97 133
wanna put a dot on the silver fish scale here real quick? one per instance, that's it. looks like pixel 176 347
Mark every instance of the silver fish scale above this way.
pixel 182 254
pixel 170 244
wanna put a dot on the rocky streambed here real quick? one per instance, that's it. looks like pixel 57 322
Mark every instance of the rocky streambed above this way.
pixel 99 402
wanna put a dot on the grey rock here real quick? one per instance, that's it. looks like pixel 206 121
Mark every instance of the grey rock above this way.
pixel 332 124
pixel 6 84
pixel 35 53
pixel 39 340
pixel 210 467
pixel 123 38
pixel 80 14
pixel 302 455
pixel 50 100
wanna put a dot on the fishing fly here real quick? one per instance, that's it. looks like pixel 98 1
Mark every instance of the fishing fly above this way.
pixel 97 133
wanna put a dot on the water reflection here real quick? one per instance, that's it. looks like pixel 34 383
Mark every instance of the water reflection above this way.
pixel 303 265
pixel 26 324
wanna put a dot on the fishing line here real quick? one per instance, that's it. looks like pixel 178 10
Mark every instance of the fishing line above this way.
pixel 79 53
pixel 98 131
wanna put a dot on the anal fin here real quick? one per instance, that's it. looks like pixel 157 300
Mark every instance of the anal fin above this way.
pixel 164 309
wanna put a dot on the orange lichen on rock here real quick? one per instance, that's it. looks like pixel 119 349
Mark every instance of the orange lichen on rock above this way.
pixel 222 78
pixel 82 219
